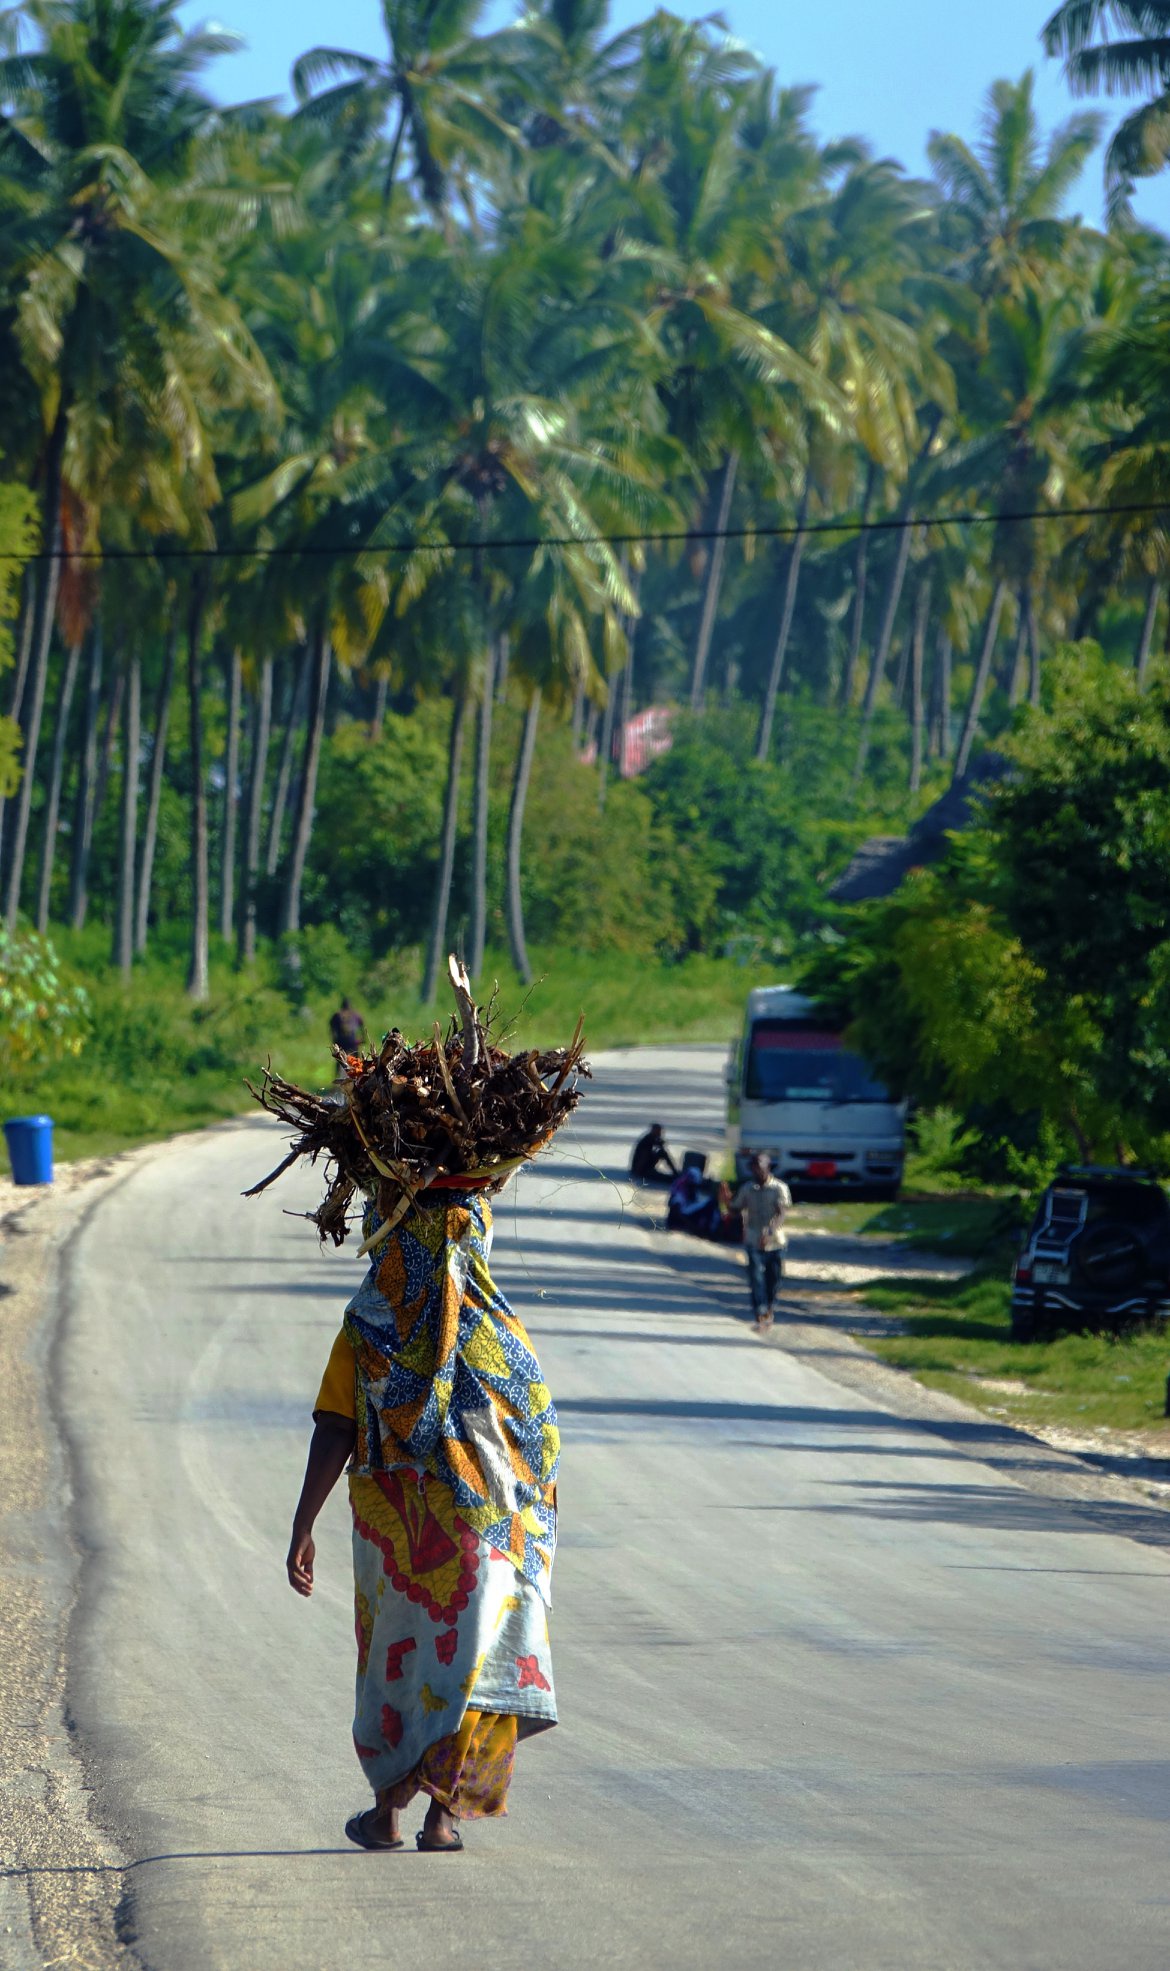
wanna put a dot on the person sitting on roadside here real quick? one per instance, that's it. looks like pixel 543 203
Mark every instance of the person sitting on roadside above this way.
pixel 693 1204
pixel 346 1028
pixel 763 1203
pixel 651 1161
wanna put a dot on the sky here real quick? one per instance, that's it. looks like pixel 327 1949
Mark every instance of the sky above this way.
pixel 891 74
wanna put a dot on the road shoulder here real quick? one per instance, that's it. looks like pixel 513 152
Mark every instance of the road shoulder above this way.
pixel 61 1883
pixel 813 1326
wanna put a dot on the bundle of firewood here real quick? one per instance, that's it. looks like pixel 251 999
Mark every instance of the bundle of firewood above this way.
pixel 452 1113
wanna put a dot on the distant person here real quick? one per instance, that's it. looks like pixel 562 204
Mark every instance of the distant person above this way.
pixel 693 1205
pixel 346 1028
pixel 651 1161
pixel 763 1204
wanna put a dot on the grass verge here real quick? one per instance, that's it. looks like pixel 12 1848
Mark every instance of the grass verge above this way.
pixel 978 1226
pixel 153 1064
pixel 957 1338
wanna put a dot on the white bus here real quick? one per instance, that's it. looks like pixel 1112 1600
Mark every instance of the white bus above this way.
pixel 796 1093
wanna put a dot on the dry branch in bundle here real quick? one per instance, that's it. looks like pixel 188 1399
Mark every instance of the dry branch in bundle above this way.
pixel 452 1112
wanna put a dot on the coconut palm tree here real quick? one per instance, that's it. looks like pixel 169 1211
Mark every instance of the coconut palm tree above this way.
pixel 576 80
pixel 436 85
pixel 1005 193
pixel 1120 48
pixel 123 327
pixel 1021 457
pixel 704 201
pixel 510 447
pixel 844 300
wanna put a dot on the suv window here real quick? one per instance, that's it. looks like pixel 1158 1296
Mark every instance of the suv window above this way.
pixel 1140 1205
pixel 1128 1204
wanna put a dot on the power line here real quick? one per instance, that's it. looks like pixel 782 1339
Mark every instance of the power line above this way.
pixel 283 551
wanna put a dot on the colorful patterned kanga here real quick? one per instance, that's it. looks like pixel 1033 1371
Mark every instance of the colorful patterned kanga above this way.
pixel 448 1383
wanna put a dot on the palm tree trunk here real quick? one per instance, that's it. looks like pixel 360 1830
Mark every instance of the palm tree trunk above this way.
pixel 28 610
pixel 1149 622
pixel 28 599
pixel 298 684
pixel 105 765
pixel 860 585
pixel 881 655
pixel 942 663
pixel 1014 677
pixel 477 938
pixel 982 673
pixel 32 713
pixel 381 693
pixel 198 980
pixel 519 948
pixel 257 774
pixel 605 743
pixel 502 670
pixel 577 720
pixel 796 556
pixel 83 811
pixel 231 777
pixel 56 777
pixel 322 657
pixel 714 583
pixel 158 761
pixel 131 741
pixel 902 674
pixel 446 846
pixel 1034 679
pixel 625 705
pixel 917 662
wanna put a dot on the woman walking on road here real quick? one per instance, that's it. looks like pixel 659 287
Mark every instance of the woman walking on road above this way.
pixel 434 1399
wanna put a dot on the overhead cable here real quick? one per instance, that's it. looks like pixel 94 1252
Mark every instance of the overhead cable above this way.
pixel 663 537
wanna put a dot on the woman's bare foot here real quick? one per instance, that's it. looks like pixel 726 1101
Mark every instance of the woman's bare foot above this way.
pixel 439 1829
pixel 376 1828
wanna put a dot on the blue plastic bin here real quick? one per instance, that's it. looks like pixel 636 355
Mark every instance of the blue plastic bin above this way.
pixel 30 1149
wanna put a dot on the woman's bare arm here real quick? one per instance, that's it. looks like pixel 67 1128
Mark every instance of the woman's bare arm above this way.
pixel 329 1451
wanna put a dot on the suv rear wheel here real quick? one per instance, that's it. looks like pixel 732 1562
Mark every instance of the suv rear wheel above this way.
pixel 1109 1258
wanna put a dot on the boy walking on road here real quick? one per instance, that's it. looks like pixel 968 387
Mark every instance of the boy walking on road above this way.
pixel 762 1204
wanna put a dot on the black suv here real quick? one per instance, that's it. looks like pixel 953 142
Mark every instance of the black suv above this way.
pixel 1097 1254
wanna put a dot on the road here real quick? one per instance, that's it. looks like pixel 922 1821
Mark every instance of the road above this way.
pixel 834 1696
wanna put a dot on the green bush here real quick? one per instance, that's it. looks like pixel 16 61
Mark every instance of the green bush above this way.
pixel 43 1014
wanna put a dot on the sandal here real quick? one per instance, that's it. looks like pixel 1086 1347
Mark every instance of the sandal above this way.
pixel 361 1836
pixel 425 1847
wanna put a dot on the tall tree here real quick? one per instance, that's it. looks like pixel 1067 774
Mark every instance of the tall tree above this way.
pixel 1005 194
pixel 1082 31
pixel 198 974
pixel 477 935
pixel 56 780
pixel 446 869
pixel 520 784
pixel 86 801
pixel 257 776
pixel 322 665
pixel 154 786
pixel 131 740
pixel 231 796
pixel 437 84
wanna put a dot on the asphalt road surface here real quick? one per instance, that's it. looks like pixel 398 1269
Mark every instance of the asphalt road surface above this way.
pixel 834 1697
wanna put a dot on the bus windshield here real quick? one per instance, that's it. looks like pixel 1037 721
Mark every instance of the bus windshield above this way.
pixel 800 1061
